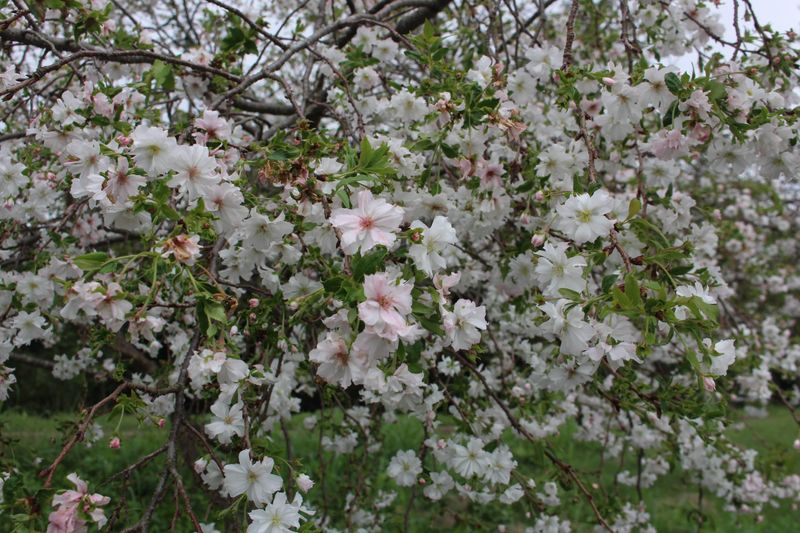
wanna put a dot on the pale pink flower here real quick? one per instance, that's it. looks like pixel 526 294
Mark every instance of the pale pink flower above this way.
pixel 183 247
pixel 669 144
pixel 372 222
pixel 121 183
pixel 387 305
pixel 463 323
pixel 66 518
pixel 335 364
pixel 304 482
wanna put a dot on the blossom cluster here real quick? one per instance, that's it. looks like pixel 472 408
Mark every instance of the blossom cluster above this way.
pixel 498 243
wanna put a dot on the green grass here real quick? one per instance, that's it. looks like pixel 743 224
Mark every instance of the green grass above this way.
pixel 672 503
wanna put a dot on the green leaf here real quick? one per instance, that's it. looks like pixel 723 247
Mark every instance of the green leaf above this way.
pixel 716 90
pixel 608 282
pixel 211 311
pixel 420 309
pixel 570 294
pixel 632 290
pixel 430 325
pixel 368 264
pixel 215 311
pixel 332 284
pixel 343 196
pixel 620 299
pixel 634 207
pixel 162 73
pixel 671 113
pixel 673 83
pixel 91 261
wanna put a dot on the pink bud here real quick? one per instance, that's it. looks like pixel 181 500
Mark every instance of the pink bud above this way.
pixel 609 81
pixel 538 196
pixel 441 444
pixel 114 443
pixel 252 302
pixel 304 482
pixel 123 140
pixel 252 316
pixel 537 240
pixel 421 481
pixel 709 384
pixel 161 422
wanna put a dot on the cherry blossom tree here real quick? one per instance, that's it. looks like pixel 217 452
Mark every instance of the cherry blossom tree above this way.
pixel 252 222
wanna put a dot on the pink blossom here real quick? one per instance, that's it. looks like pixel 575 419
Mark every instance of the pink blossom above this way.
pixel 386 306
pixel 372 222
pixel 669 144
pixel 66 518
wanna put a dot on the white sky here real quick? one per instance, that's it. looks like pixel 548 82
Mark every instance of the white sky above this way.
pixel 782 15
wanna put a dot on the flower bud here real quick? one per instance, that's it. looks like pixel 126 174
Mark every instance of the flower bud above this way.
pixel 537 240
pixel 304 482
pixel 709 384
pixel 114 443
pixel 252 302
pixel 161 422
pixel 538 196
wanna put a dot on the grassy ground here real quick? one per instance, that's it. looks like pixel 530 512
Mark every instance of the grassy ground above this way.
pixel 672 502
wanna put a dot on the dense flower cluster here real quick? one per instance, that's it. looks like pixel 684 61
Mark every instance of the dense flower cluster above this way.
pixel 387 216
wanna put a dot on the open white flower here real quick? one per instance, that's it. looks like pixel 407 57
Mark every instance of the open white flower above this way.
pixel 569 326
pixel 583 218
pixel 470 460
pixel 723 357
pixel 557 271
pixel 463 323
pixel 279 516
pixel 228 421
pixel 441 483
pixel 427 252
pixel 253 479
pixel 152 149
pixel 404 468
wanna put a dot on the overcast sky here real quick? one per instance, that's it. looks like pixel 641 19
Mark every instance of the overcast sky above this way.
pixel 781 14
